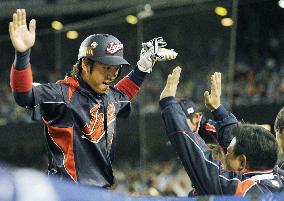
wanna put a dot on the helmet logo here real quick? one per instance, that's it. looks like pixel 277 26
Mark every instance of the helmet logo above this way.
pixel 112 47
pixel 89 51
pixel 190 110
pixel 94 45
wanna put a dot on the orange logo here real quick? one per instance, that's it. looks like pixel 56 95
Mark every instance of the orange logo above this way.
pixel 110 113
pixel 94 130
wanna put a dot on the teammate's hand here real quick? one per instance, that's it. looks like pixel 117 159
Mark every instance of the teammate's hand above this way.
pixel 172 83
pixel 22 38
pixel 213 99
pixel 153 51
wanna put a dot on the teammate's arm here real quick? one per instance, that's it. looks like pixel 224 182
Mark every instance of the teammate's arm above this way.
pixel 225 120
pixel 23 39
pixel 206 174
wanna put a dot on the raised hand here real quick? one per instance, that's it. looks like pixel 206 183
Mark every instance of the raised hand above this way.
pixel 22 38
pixel 164 54
pixel 172 83
pixel 152 51
pixel 158 51
pixel 213 99
pixel 155 43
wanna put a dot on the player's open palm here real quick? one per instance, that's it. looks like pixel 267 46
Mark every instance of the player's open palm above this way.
pixel 212 99
pixel 172 83
pixel 22 38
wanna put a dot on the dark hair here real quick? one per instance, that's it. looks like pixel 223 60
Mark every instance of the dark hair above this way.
pixel 77 68
pixel 279 122
pixel 257 144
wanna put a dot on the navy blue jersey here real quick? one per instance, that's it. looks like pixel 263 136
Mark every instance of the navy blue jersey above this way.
pixel 218 131
pixel 207 175
pixel 80 127
pixel 79 123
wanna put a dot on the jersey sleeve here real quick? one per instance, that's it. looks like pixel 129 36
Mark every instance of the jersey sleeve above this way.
pixel 122 102
pixel 21 79
pixel 225 121
pixel 49 100
pixel 207 131
pixel 131 83
pixel 206 174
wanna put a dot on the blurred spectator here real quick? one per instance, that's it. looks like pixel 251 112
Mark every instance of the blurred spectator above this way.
pixel 158 179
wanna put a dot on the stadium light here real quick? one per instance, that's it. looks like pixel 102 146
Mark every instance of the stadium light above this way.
pixel 146 12
pixel 143 14
pixel 72 35
pixel 57 25
pixel 221 11
pixel 131 19
pixel 227 22
pixel 281 3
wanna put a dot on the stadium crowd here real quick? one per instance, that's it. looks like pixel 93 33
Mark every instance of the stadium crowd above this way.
pixel 250 86
pixel 156 179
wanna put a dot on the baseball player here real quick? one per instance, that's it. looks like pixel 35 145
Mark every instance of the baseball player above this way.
pixel 214 133
pixel 250 157
pixel 79 112
pixel 279 132
pixel 279 129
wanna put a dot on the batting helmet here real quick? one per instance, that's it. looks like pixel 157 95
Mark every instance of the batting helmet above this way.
pixel 103 48
pixel 188 107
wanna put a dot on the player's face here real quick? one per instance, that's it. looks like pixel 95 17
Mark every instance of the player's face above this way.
pixel 232 161
pixel 194 120
pixel 101 77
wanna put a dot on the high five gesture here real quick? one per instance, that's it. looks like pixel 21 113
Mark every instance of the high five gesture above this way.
pixel 22 38
pixel 213 99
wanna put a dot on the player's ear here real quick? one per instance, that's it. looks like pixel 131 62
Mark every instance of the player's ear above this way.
pixel 243 162
pixel 85 66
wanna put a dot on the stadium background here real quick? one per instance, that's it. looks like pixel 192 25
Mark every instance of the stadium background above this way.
pixel 250 56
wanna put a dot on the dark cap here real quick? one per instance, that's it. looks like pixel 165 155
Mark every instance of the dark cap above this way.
pixel 188 107
pixel 103 48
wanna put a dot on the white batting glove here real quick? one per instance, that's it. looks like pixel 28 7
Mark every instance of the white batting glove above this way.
pixel 154 44
pixel 153 51
pixel 164 54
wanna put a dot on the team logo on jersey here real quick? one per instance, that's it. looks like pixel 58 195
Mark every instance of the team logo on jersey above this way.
pixel 113 47
pixel 94 130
